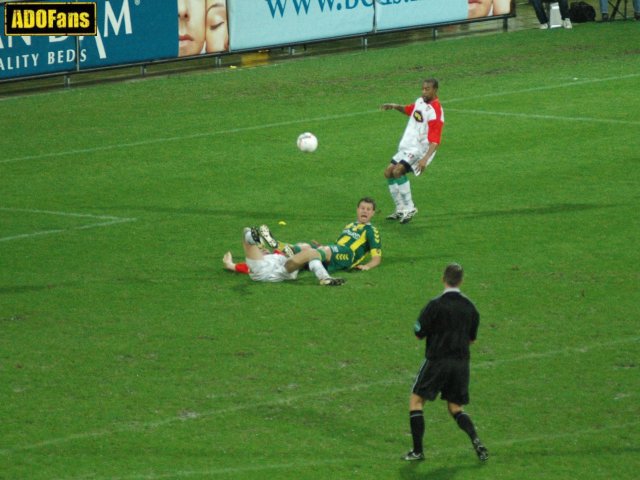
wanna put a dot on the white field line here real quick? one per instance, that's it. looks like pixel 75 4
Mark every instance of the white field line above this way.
pixel 285 400
pixel 154 141
pixel 535 116
pixel 107 220
pixel 434 452
pixel 566 84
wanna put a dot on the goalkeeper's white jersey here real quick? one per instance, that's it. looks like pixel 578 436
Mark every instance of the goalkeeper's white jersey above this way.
pixel 424 126
pixel 270 269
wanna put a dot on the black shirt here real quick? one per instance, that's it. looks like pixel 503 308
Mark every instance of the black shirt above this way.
pixel 449 322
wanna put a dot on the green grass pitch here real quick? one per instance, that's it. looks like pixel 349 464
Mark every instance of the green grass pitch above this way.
pixel 127 353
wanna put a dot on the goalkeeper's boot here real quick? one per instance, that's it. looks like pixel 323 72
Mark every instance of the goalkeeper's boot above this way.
pixel 255 235
pixel 408 215
pixel 413 456
pixel 481 450
pixel 267 238
pixel 332 282
pixel 287 250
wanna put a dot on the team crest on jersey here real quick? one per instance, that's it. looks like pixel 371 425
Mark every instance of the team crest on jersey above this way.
pixel 417 116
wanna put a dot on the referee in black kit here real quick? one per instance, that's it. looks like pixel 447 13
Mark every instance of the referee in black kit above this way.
pixel 450 324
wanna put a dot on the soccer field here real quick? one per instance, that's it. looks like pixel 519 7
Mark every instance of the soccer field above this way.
pixel 126 352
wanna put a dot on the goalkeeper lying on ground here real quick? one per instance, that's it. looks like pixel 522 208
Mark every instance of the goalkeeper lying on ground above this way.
pixel 357 240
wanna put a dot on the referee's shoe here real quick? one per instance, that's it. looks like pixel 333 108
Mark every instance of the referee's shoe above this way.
pixel 481 450
pixel 413 456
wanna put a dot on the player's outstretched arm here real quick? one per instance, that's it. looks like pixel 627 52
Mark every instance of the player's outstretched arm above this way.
pixel 228 264
pixel 392 106
pixel 373 263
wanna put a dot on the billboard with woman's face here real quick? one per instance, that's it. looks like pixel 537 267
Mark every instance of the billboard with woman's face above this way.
pixel 135 31
pixel 202 27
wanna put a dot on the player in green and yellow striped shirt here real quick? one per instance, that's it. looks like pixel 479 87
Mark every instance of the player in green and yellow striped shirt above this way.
pixel 356 240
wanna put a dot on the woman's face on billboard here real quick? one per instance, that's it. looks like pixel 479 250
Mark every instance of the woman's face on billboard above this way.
pixel 217 30
pixel 190 27
pixel 479 8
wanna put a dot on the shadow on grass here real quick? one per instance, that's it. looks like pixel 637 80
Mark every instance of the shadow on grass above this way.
pixel 539 210
pixel 426 221
pixel 420 471
pixel 15 289
pixel 533 210
pixel 21 289
pixel 226 213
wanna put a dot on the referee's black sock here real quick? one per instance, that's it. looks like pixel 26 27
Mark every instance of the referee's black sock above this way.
pixel 416 418
pixel 464 422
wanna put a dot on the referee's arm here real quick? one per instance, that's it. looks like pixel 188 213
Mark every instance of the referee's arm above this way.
pixel 475 323
pixel 420 327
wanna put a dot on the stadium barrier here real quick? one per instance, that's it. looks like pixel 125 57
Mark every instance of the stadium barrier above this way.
pixel 142 32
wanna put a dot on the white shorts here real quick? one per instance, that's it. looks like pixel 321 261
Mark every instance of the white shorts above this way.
pixel 270 269
pixel 412 159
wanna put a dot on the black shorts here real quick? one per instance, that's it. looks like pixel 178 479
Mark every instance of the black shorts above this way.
pixel 449 378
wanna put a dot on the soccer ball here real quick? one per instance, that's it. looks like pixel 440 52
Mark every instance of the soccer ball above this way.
pixel 307 142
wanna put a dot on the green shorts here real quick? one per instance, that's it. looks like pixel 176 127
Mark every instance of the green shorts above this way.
pixel 341 258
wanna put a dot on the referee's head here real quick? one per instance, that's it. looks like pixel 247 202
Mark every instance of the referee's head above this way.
pixel 453 274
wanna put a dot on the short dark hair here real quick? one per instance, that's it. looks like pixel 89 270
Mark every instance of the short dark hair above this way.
pixel 432 81
pixel 368 200
pixel 453 274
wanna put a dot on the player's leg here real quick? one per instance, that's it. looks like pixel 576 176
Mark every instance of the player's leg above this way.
pixel 300 259
pixel 465 424
pixel 404 190
pixel 392 183
pixel 416 423
pixel 426 387
pixel 314 258
pixel 317 266
pixel 298 247
pixel 404 187
pixel 456 392
pixel 251 243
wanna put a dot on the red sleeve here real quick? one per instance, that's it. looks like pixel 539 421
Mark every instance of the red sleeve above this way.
pixel 409 108
pixel 435 125
pixel 242 268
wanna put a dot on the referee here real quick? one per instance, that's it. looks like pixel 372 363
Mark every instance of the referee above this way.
pixel 450 324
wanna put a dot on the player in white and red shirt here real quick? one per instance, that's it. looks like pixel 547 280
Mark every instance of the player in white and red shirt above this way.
pixel 417 147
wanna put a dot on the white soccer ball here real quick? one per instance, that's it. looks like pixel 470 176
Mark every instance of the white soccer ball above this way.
pixel 307 142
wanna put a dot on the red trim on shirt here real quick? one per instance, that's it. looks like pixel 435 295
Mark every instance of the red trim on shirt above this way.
pixel 435 126
pixel 242 267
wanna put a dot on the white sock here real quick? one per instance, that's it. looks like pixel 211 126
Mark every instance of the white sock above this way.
pixel 395 195
pixel 405 194
pixel 318 269
pixel 248 237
